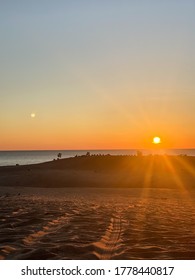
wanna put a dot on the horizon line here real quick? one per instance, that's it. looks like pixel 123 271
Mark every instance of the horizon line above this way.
pixel 104 149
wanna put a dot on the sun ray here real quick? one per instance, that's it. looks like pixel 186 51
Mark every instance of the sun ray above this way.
pixel 184 162
pixel 175 176
pixel 149 175
pixel 145 184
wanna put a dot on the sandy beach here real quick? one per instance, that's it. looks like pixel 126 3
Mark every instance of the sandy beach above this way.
pixel 99 207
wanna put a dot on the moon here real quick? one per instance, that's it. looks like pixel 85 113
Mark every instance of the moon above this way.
pixel 156 140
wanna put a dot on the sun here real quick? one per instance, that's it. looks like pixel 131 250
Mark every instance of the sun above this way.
pixel 156 140
pixel 32 115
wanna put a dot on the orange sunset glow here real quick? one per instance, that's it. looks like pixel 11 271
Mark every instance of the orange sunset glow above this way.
pixel 78 82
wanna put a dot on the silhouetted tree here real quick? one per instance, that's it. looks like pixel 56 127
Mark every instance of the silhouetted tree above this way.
pixel 139 154
pixel 59 155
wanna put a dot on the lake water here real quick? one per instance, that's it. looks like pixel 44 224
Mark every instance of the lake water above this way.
pixel 31 157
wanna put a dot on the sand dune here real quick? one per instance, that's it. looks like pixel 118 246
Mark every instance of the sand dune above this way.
pixel 99 208
pixel 105 171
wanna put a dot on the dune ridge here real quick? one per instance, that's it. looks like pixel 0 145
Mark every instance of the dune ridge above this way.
pixel 104 171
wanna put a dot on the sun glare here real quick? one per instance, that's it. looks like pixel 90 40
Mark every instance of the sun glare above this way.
pixel 32 115
pixel 156 140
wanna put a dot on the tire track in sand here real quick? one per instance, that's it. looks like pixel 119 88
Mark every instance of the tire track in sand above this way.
pixel 50 227
pixel 110 243
pixel 31 239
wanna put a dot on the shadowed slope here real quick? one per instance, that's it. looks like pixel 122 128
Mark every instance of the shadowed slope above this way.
pixel 104 171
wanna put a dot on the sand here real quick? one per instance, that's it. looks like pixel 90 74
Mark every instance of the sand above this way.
pixel 105 171
pixel 127 208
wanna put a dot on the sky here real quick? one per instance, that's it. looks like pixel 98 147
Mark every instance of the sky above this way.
pixel 102 74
